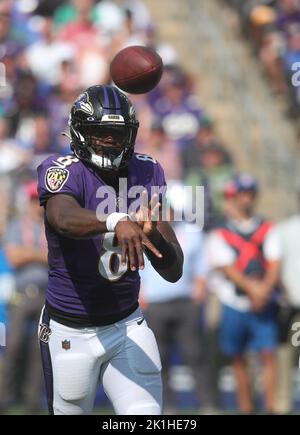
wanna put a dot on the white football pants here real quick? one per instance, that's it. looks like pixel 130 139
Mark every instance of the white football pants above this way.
pixel 123 356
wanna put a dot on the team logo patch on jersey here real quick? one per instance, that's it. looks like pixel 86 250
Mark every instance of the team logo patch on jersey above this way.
pixel 66 344
pixel 56 178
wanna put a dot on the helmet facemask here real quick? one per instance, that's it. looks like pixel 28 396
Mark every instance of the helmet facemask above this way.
pixel 107 146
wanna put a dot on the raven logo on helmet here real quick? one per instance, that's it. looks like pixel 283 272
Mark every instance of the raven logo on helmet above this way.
pixel 83 103
pixel 114 114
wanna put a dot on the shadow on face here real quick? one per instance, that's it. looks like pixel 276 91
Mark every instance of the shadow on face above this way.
pixel 245 202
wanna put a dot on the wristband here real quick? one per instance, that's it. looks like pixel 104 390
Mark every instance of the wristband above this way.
pixel 113 219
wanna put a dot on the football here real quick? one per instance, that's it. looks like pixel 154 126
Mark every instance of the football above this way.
pixel 136 69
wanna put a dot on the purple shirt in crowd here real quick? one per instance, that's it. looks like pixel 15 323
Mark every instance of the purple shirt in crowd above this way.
pixel 287 23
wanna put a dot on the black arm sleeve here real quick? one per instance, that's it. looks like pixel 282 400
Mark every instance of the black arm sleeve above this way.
pixel 168 252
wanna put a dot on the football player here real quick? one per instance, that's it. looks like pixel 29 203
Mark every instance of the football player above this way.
pixel 92 329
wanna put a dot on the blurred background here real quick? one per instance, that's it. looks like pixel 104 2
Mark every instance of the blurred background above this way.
pixel 227 104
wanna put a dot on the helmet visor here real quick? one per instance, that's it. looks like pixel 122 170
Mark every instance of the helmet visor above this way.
pixel 110 135
pixel 109 145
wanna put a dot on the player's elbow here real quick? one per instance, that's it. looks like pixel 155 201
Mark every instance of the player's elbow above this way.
pixel 177 269
pixel 174 273
pixel 175 276
pixel 180 273
pixel 64 226
pixel 61 213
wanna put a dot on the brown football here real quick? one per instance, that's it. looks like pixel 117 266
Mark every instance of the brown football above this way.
pixel 136 69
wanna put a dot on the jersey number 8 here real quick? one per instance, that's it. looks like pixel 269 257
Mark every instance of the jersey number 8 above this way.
pixel 110 266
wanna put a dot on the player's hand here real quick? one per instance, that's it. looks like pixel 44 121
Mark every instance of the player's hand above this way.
pixel 131 239
pixel 148 214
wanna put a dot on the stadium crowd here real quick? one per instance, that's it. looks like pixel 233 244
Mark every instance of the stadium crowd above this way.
pixel 273 27
pixel 50 51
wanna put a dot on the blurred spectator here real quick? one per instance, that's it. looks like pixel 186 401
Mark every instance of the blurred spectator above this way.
pixel 165 50
pixel 45 56
pixel 26 251
pixel 207 163
pixel 11 43
pixel 290 247
pixel 43 144
pixel 145 116
pixel 289 237
pixel 110 17
pixel 289 14
pixel 229 193
pixel 274 28
pixel 146 36
pixel 29 99
pixel 166 151
pixel 206 136
pixel 68 12
pixel 7 287
pixel 59 105
pixel 131 35
pixel 271 52
pixel 13 157
pixel 140 13
pixel 177 107
pixel 45 8
pixel 173 312
pixel 292 53
pixel 244 255
pixel 23 27
pixel 6 204
pixel 85 36
pixel 81 30
pixel 291 57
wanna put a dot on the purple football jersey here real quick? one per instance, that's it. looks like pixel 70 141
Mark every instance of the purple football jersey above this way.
pixel 86 278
